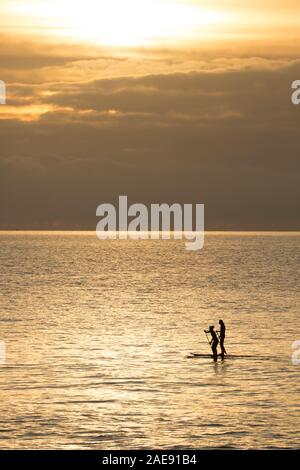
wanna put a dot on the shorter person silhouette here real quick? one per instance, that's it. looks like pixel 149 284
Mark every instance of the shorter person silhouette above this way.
pixel 214 342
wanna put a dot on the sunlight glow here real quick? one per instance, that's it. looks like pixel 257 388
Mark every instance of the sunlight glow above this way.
pixel 122 22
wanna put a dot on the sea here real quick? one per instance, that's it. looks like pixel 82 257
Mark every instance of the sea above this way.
pixel 97 339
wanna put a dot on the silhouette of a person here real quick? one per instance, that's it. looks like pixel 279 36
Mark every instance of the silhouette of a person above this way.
pixel 214 341
pixel 222 337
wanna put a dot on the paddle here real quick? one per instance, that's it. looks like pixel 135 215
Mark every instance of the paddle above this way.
pixel 207 338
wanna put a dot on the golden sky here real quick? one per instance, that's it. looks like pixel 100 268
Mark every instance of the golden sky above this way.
pixel 162 100
pixel 144 22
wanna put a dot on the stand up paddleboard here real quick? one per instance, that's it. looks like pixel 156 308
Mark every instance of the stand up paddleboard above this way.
pixel 210 356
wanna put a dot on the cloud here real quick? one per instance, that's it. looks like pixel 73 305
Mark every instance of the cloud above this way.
pixel 223 135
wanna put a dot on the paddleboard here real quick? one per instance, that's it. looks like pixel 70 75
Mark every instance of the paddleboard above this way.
pixel 210 356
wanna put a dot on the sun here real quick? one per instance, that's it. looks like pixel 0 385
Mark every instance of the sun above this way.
pixel 122 22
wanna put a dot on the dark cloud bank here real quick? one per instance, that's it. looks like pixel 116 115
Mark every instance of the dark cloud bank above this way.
pixel 229 139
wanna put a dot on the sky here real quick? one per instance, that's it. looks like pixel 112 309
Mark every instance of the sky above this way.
pixel 162 100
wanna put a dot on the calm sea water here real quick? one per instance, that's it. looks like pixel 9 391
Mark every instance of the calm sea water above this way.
pixel 97 335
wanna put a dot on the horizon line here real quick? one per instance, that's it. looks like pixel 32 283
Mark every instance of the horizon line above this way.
pixel 213 230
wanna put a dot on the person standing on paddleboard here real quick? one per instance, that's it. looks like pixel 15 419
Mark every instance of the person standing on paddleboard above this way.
pixel 222 337
pixel 214 341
